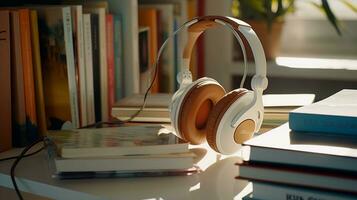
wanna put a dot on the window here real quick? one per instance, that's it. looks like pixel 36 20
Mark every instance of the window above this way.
pixel 307 32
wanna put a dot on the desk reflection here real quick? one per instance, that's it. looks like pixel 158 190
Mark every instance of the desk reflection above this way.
pixel 216 181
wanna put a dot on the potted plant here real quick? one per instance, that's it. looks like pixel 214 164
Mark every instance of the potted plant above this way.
pixel 267 19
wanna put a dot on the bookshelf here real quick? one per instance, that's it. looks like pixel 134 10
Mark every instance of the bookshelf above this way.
pixel 73 79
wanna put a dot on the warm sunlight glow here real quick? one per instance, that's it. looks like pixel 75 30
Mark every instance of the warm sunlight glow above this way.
pixel 195 187
pixel 248 189
pixel 317 63
pixel 210 157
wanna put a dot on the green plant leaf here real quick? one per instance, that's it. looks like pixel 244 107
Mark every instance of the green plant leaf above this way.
pixel 350 5
pixel 288 8
pixel 330 16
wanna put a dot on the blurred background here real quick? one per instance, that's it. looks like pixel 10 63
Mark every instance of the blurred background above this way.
pixel 310 44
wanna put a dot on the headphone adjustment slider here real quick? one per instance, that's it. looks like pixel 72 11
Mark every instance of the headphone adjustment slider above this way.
pixel 184 77
pixel 259 82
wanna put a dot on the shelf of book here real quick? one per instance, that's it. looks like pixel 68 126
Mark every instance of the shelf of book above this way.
pixel 72 60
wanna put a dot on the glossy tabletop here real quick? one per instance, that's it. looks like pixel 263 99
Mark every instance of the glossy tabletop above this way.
pixel 216 181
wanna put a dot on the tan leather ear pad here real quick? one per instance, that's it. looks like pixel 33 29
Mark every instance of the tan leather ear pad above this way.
pixel 195 109
pixel 217 113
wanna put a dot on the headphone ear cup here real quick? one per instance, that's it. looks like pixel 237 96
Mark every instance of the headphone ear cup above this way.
pixel 195 110
pixel 217 113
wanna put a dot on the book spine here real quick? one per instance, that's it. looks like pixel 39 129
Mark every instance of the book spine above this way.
pixel 40 101
pixel 110 60
pixel 96 66
pixel 287 192
pixel 118 58
pixel 148 18
pixel 5 82
pixel 29 86
pixel 144 58
pixel 323 123
pixel 103 65
pixel 71 71
pixel 89 68
pixel 78 27
pixel 17 84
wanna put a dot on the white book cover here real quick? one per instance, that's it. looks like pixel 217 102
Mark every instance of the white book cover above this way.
pixel 126 163
pixel 343 103
pixel 72 84
pixel 88 68
pixel 283 146
pixel 287 100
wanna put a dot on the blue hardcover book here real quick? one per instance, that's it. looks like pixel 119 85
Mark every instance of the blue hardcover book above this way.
pixel 336 114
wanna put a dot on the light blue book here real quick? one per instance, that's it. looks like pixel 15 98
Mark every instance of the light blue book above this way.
pixel 336 114
pixel 118 58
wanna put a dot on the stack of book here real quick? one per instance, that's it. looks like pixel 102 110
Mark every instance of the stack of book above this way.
pixel 121 151
pixel 278 106
pixel 317 162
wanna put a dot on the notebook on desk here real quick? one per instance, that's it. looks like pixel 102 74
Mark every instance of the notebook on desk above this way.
pixel 282 146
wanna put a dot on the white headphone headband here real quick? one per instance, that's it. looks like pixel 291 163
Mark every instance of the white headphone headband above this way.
pixel 199 25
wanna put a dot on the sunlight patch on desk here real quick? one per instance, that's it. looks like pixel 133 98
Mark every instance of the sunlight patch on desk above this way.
pixel 316 63
pixel 195 187
pixel 210 157
pixel 247 190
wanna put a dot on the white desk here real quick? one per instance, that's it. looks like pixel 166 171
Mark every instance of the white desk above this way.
pixel 217 181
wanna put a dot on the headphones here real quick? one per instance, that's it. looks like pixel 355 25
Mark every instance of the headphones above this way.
pixel 202 110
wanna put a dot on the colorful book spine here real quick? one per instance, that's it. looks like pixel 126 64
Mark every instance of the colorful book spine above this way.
pixel 89 68
pixel 79 52
pixel 110 60
pixel 118 58
pixel 96 66
pixel 71 71
pixel 28 76
pixel 148 18
pixel 40 101
pixel 5 82
pixel 17 84
pixel 103 62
